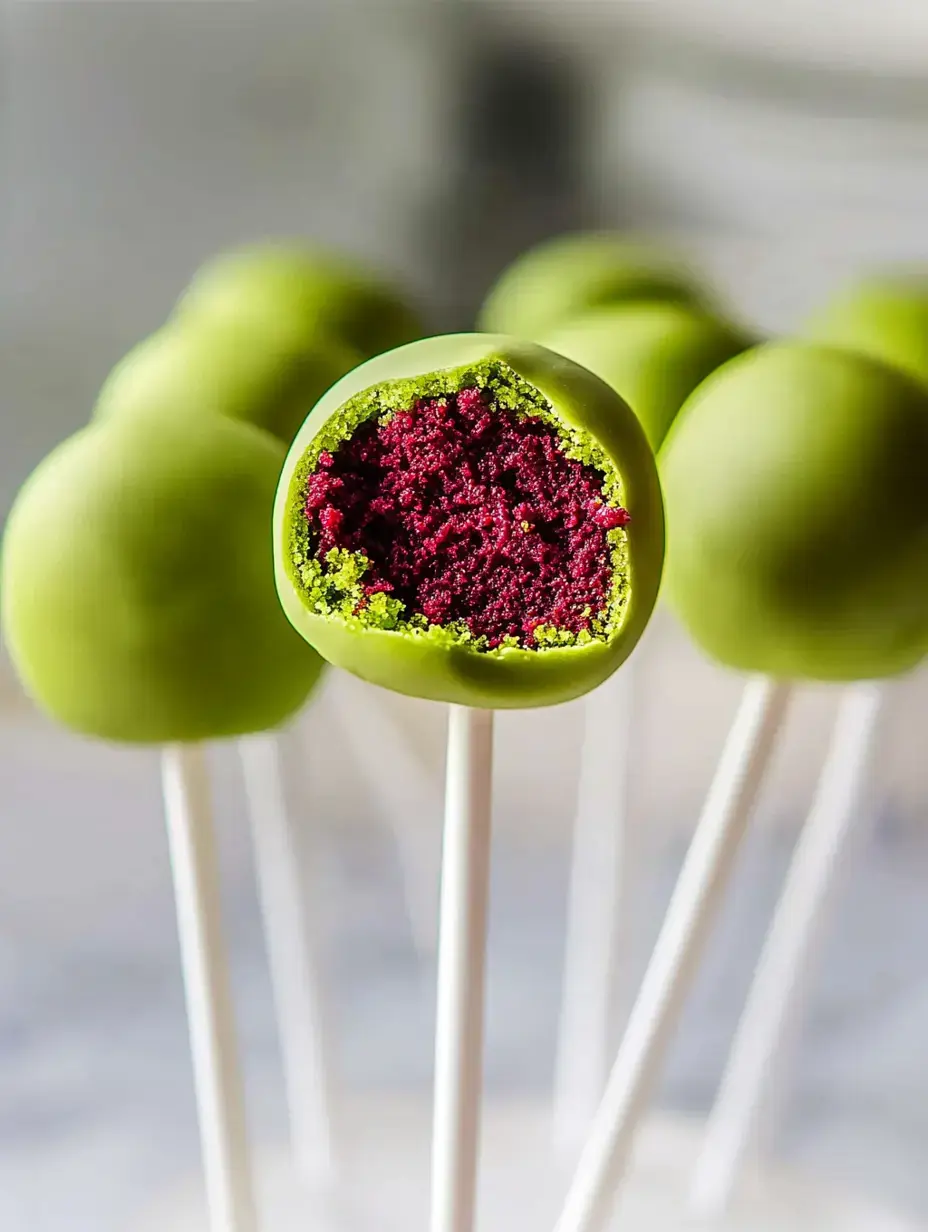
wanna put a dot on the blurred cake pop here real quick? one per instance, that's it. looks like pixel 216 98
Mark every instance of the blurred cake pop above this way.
pixel 316 291
pixel 268 377
pixel 259 336
pixel 883 317
pixel 567 275
pixel 653 354
pixel 471 519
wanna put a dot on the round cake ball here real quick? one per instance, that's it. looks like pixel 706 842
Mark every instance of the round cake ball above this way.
pixel 270 378
pixel 473 520
pixel 653 354
pixel 886 318
pixel 796 484
pixel 315 291
pixel 137 592
pixel 565 276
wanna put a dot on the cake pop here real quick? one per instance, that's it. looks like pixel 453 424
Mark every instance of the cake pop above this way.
pixel 883 317
pixel 772 573
pixel 567 275
pixel 473 520
pixel 139 606
pixel 315 291
pixel 260 335
pixel 138 602
pixel 654 354
pixel 803 551
pixel 268 377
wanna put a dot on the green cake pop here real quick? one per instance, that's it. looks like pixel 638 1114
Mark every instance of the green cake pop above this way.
pixel 471 519
pixel 268 377
pixel 885 318
pixel 565 276
pixel 137 590
pixel 318 293
pixel 653 354
pixel 796 485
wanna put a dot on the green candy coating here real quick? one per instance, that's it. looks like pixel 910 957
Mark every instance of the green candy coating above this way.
pixel 565 276
pixel 436 667
pixel 268 377
pixel 796 487
pixel 318 293
pixel 885 318
pixel 138 599
pixel 653 354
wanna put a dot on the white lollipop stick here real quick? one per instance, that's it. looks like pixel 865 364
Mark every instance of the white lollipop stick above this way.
pixel 291 947
pixel 461 965
pixel 698 893
pixel 392 768
pixel 775 1002
pixel 216 1067
pixel 596 976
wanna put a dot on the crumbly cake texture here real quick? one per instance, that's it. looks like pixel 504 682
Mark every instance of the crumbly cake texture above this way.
pixel 459 508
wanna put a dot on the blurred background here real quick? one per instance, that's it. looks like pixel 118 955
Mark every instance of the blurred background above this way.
pixel 785 148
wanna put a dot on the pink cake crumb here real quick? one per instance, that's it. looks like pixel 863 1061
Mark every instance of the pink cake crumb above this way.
pixel 470 513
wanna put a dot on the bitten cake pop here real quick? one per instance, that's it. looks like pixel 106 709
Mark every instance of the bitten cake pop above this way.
pixel 883 317
pixel 313 290
pixel 138 599
pixel 569 274
pixel 471 519
pixel 653 354
pixel 797 493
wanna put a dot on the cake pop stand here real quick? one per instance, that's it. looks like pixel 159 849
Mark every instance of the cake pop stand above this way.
pixel 384 1181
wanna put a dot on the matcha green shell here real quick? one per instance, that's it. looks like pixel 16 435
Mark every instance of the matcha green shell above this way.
pixel 414 662
pixel 316 293
pixel 266 375
pixel 653 354
pixel 796 487
pixel 563 277
pixel 138 598
pixel 885 318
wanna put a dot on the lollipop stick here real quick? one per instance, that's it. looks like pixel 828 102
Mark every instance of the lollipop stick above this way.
pixel 290 936
pixel 774 1003
pixel 216 1068
pixel 596 973
pixel 391 767
pixel 698 893
pixel 461 963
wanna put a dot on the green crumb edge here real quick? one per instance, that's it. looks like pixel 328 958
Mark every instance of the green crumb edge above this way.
pixel 333 589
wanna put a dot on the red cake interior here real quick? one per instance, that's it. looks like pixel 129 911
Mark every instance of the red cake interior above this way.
pixel 470 513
